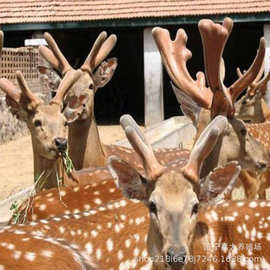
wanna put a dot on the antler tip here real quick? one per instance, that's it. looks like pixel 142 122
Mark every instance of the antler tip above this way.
pixel 204 23
pixel 262 42
pixel 19 74
pixel 47 35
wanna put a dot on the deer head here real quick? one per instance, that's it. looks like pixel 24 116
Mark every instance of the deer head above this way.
pixel 202 103
pixel 173 198
pixel 251 107
pixel 94 73
pixel 47 124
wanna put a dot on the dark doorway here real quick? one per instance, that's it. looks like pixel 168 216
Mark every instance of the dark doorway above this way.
pixel 125 92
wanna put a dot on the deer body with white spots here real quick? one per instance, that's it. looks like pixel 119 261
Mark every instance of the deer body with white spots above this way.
pixel 202 103
pixel 114 235
pixel 189 227
pixel 111 235
pixel 233 235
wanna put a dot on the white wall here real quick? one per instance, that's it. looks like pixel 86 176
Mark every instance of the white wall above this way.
pixel 153 81
pixel 267 58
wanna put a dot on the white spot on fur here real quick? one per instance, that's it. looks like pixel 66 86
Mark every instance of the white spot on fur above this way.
pixel 30 256
pixel 253 204
pixel 17 254
pixel 136 252
pixel 109 244
pixel 147 266
pixel 94 233
pixel 47 253
pixel 127 243
pixel 10 246
pixel 61 229
pixel 239 229
pixel 89 248
pixel 98 254
pixel 120 255
pixel 87 206
pixel 42 207
pixel 240 204
pixel 62 193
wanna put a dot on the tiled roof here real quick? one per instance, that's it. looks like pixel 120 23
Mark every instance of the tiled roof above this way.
pixel 42 11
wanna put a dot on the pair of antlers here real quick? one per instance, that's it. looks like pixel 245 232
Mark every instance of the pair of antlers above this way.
pixel 259 85
pixel 219 98
pixel 199 153
pixel 98 53
pixel 100 50
pixel 25 95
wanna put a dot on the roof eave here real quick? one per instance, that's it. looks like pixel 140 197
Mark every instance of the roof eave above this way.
pixel 137 22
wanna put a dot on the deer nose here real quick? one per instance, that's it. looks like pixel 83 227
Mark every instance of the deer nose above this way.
pixel 61 143
pixel 176 256
pixel 261 165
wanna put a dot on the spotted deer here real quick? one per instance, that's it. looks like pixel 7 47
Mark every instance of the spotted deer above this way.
pixel 190 228
pixel 252 107
pixel 100 190
pixel 114 235
pixel 85 147
pixel 201 103
pixel 46 123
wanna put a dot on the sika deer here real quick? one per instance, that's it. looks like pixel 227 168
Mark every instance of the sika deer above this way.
pixel 46 123
pixel 251 107
pixel 100 190
pixel 188 228
pixel 200 103
pixel 86 149
pixel 113 235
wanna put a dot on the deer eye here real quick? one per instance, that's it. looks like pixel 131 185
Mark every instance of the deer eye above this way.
pixel 91 86
pixel 243 131
pixel 37 123
pixel 153 208
pixel 195 209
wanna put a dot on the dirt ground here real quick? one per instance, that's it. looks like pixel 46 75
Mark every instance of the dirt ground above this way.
pixel 16 166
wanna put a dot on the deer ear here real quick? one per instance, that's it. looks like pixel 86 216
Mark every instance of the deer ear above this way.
pixel 219 183
pixel 127 179
pixel 105 72
pixel 187 105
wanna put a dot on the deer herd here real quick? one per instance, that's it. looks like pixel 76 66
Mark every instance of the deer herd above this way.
pixel 136 208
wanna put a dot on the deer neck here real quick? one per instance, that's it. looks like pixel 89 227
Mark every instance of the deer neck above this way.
pixel 265 110
pixel 47 172
pixel 85 147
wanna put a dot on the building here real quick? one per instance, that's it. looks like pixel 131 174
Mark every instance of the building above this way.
pixel 140 86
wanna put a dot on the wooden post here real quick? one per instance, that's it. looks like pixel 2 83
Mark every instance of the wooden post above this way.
pixel 153 81
pixel 266 30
